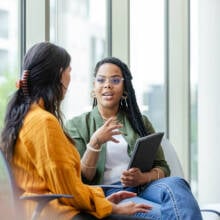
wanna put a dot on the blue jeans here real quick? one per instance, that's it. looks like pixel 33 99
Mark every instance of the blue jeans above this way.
pixel 170 197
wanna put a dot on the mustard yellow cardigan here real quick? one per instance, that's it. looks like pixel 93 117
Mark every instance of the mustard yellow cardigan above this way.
pixel 45 161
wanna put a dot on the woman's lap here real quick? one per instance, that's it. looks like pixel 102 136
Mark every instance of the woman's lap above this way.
pixel 170 197
pixel 154 214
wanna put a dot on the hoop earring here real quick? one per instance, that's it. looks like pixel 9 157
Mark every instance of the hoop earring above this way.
pixel 92 94
pixel 124 99
pixel 94 102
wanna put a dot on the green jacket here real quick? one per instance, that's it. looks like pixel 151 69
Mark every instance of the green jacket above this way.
pixel 82 127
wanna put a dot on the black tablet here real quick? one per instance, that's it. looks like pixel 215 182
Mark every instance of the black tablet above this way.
pixel 145 150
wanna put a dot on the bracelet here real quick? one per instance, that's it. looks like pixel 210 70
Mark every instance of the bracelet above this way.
pixel 158 173
pixel 92 148
pixel 86 166
pixel 97 140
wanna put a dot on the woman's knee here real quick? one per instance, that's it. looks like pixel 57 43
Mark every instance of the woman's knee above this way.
pixel 174 181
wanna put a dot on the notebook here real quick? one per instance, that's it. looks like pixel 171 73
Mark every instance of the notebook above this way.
pixel 145 150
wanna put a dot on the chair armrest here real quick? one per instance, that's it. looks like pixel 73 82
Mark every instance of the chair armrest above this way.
pixel 86 216
pixel 42 200
pixel 39 198
pixel 211 211
pixel 104 186
pixel 124 217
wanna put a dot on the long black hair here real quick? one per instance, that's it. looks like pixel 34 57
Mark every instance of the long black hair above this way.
pixel 128 105
pixel 43 66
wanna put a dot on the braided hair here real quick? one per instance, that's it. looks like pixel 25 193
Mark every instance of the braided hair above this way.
pixel 129 106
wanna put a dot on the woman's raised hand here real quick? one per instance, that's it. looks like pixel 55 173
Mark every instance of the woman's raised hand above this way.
pixel 106 132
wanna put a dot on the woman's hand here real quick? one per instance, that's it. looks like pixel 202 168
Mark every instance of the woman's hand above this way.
pixel 134 177
pixel 130 208
pixel 126 208
pixel 106 132
pixel 119 196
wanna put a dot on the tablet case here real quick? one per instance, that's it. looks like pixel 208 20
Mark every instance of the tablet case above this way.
pixel 145 150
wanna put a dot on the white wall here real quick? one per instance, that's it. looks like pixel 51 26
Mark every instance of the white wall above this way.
pixel 209 101
pixel 178 79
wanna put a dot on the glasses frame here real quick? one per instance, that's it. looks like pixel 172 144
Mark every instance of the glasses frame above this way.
pixel 109 80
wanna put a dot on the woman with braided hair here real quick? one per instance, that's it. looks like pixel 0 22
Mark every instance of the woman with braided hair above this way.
pixel 105 137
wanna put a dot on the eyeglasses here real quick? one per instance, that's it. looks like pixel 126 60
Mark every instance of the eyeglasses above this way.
pixel 115 80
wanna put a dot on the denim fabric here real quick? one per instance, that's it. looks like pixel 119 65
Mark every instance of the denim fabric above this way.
pixel 170 197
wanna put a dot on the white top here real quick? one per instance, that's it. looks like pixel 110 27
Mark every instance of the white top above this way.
pixel 117 159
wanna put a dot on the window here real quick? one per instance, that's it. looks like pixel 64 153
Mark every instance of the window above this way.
pixel 81 29
pixel 4 24
pixel 194 97
pixel 4 62
pixel 205 106
pixel 147 58
pixel 9 47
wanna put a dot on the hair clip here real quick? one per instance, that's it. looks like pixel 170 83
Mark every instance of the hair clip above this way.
pixel 18 84
pixel 22 83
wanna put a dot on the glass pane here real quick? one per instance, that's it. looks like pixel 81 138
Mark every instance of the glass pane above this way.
pixel 205 106
pixel 147 50
pixel 9 47
pixel 9 72
pixel 81 29
pixel 194 96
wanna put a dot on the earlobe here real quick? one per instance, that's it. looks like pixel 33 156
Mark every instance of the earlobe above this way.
pixel 93 95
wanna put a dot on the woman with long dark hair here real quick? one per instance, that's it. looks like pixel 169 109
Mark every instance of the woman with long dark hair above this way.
pixel 43 157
